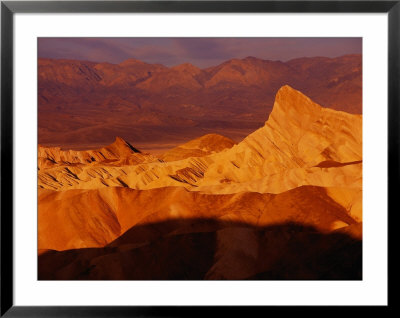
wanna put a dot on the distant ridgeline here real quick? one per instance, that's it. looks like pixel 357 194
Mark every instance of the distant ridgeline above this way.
pixel 84 102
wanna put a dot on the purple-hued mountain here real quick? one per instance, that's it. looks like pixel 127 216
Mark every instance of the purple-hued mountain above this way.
pixel 84 103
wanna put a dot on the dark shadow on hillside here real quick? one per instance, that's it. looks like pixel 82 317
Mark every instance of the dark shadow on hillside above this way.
pixel 196 249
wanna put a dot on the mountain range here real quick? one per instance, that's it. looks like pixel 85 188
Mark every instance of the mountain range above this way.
pixel 86 104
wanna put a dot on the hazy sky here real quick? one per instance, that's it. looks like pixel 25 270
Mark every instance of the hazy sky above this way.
pixel 202 52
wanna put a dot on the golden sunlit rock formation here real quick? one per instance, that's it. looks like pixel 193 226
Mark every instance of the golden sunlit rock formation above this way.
pixel 199 147
pixel 120 149
pixel 300 144
pixel 115 206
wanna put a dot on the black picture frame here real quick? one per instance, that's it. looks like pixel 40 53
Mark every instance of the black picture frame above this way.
pixel 8 8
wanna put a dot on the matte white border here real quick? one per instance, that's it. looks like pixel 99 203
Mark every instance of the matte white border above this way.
pixel 371 291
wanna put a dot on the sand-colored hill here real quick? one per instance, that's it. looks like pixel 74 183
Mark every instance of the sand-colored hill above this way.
pixel 93 218
pixel 199 147
pixel 119 150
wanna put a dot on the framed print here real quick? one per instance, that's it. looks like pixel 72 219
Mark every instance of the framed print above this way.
pixel 161 155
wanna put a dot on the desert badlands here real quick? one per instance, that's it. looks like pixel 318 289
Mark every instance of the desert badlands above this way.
pixel 285 202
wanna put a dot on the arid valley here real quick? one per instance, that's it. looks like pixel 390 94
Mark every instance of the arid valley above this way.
pixel 251 169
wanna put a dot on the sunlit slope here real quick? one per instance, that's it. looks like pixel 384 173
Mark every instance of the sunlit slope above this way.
pixel 302 143
pixel 93 218
pixel 298 134
pixel 119 151
pixel 199 147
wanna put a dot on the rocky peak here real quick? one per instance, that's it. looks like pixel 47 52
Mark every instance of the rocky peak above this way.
pixel 290 102
pixel 121 144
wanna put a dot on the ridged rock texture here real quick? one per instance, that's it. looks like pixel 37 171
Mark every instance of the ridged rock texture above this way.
pixel 210 208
